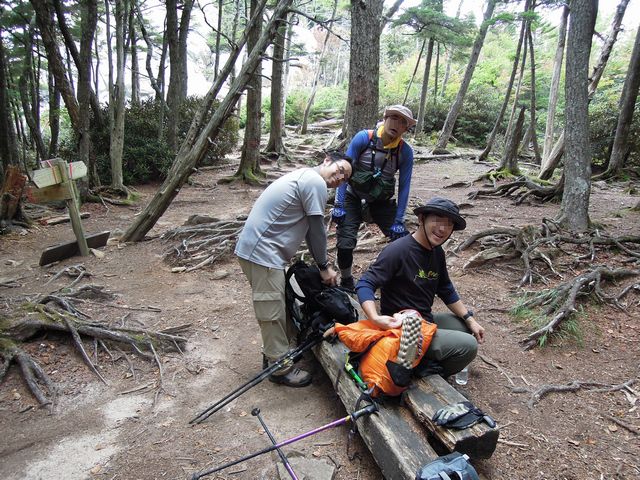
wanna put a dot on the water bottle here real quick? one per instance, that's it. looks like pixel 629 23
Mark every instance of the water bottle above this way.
pixel 462 377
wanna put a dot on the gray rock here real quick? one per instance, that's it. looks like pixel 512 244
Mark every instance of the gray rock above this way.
pixel 307 468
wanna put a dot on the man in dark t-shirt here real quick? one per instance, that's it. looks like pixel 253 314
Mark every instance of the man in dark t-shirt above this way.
pixel 410 272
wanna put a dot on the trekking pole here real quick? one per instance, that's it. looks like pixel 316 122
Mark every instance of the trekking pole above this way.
pixel 292 355
pixel 353 374
pixel 369 409
pixel 256 413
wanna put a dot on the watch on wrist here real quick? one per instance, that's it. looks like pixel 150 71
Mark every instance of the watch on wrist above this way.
pixel 467 315
pixel 323 266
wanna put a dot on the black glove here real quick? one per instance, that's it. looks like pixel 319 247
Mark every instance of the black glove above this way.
pixel 461 415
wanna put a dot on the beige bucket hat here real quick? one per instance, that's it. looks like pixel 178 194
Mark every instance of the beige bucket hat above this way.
pixel 403 111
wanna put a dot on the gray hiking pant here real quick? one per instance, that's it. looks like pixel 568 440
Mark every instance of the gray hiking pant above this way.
pixel 453 347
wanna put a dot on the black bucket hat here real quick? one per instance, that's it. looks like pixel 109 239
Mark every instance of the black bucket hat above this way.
pixel 443 207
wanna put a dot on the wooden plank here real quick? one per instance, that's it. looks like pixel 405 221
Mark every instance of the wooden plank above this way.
pixel 429 394
pixel 45 177
pixel 53 193
pixel 67 250
pixel 74 210
pixel 397 441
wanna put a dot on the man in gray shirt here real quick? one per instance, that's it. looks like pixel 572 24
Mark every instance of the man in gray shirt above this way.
pixel 289 211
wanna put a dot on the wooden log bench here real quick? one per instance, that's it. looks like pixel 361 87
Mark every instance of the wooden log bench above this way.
pixel 398 435
pixel 429 394
pixel 396 439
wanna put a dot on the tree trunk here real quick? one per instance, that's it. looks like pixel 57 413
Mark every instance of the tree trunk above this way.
pixel 173 94
pixel 54 114
pixel 436 74
pixel 452 116
pixel 135 68
pixel 88 25
pixel 628 99
pixel 415 70
pixel 496 126
pixel 509 161
pixel 25 88
pixel 598 69
pixel 177 41
pixel 447 69
pixel 516 95
pixel 154 82
pixel 554 88
pixel 116 97
pixel 216 63
pixel 249 168
pixel 425 87
pixel 285 82
pixel 72 50
pixel 8 145
pixel 574 211
pixel 193 149
pixel 364 66
pixel 316 78
pixel 275 143
pixel 234 30
pixel 46 26
pixel 532 124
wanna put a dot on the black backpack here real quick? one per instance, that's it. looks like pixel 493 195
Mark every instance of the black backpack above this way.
pixel 315 305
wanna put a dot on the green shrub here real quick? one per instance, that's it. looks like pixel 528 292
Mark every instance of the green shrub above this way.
pixel 146 156
pixel 329 100
pixel 296 103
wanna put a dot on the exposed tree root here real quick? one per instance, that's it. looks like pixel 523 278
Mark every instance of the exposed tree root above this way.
pixel 114 196
pixel 246 176
pixel 33 374
pixel 543 244
pixel 591 387
pixel 531 243
pixel 203 244
pixel 521 189
pixel 58 313
pixel 561 300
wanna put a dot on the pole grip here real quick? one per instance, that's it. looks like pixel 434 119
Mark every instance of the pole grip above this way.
pixel 368 410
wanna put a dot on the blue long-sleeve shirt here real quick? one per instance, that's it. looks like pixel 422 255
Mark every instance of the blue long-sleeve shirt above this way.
pixel 359 147
pixel 408 276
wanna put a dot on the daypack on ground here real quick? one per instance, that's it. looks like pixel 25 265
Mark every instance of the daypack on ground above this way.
pixel 378 365
pixel 312 304
pixel 454 466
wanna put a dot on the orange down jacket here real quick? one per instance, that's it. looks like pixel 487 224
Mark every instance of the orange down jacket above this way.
pixel 373 365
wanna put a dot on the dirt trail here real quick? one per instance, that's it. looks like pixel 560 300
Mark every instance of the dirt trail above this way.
pixel 99 431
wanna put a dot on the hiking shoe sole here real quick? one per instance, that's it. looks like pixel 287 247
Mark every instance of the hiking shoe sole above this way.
pixel 410 339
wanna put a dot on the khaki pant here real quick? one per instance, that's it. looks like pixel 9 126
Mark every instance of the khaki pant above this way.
pixel 267 286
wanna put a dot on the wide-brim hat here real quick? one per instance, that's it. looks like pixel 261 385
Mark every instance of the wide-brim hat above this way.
pixel 403 111
pixel 445 208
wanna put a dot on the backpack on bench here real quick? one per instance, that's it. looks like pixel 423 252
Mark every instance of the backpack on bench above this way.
pixel 312 304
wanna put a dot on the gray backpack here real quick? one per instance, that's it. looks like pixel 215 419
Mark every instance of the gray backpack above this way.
pixel 454 466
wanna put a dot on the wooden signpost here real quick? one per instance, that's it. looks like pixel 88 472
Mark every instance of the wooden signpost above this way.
pixel 56 182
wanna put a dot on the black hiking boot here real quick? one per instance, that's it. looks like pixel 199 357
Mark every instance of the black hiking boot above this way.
pixel 348 283
pixel 295 377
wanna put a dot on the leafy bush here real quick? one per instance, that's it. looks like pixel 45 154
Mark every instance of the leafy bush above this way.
pixel 296 103
pixel 146 156
pixel 329 99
